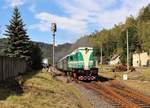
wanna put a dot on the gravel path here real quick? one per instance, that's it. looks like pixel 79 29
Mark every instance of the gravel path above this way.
pixel 95 100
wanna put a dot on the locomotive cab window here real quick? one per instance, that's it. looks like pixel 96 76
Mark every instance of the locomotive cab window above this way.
pixel 76 56
pixel 71 58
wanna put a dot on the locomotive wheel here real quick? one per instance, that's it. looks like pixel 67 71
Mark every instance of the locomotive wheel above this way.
pixel 68 76
pixel 75 76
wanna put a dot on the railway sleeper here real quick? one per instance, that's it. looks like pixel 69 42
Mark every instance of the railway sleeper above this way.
pixel 132 93
pixel 108 94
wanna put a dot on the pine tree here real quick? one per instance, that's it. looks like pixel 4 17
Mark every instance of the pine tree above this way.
pixel 19 44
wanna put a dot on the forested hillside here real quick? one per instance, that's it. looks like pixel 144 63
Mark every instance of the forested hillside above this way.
pixel 113 41
pixel 60 50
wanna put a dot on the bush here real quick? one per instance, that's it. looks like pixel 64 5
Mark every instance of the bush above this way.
pixel 121 68
pixel 36 57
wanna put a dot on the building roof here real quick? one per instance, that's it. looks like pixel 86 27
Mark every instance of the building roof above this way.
pixel 115 56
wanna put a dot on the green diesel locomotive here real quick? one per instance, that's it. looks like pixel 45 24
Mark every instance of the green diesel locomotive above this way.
pixel 80 64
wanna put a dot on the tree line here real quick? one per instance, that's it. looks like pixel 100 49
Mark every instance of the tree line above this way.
pixel 113 41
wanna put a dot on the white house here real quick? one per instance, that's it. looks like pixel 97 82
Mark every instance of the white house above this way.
pixel 143 57
pixel 115 60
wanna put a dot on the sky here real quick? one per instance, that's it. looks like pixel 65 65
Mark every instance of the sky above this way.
pixel 74 18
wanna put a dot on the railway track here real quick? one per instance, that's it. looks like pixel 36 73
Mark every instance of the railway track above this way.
pixel 130 94
pixel 119 95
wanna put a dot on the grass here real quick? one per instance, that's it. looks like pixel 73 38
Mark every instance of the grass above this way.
pixel 145 74
pixel 139 80
pixel 142 74
pixel 142 82
pixel 41 91
pixel 143 87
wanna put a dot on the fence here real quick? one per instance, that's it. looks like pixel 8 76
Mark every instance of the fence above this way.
pixel 10 67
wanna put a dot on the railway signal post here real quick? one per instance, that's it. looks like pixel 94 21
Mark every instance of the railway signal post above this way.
pixel 53 29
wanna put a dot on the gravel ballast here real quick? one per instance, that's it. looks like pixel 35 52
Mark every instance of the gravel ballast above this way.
pixel 94 99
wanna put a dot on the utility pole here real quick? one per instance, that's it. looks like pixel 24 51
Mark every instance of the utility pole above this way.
pixel 125 76
pixel 101 58
pixel 101 54
pixel 127 51
pixel 53 29
pixel 149 57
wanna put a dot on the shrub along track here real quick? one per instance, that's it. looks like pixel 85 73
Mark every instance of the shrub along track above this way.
pixel 119 95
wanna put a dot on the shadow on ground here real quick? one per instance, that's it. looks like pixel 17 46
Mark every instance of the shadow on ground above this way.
pixel 14 86
pixel 101 79
pixel 104 79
